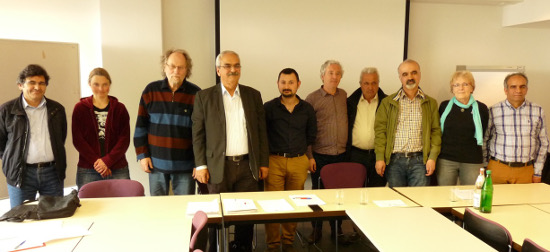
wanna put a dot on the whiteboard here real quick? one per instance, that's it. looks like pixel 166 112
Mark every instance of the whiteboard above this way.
pixel 61 61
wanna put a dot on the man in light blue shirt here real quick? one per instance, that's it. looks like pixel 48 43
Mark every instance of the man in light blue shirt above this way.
pixel 33 130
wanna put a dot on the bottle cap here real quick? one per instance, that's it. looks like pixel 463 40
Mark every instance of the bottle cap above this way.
pixel 488 171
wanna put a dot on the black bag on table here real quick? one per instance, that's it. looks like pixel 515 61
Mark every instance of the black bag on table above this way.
pixel 48 207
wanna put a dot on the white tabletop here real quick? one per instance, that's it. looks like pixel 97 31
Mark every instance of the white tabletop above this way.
pixel 330 209
pixel 413 229
pixel 504 194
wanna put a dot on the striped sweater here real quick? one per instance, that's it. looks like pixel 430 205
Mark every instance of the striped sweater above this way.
pixel 163 126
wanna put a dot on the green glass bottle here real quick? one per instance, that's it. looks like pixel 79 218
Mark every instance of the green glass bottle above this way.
pixel 486 204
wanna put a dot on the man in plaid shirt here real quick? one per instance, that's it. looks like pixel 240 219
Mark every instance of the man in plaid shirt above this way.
pixel 516 142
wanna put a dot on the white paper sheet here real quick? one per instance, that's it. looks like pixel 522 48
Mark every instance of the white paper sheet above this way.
pixel 279 205
pixel 209 207
pixel 18 236
pixel 239 205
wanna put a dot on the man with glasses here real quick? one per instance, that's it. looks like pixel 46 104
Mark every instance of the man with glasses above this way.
pixel 33 130
pixel 230 140
pixel 163 127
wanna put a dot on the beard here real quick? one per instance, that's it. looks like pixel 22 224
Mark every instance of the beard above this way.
pixel 411 84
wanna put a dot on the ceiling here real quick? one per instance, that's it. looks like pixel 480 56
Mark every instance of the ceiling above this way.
pixel 474 2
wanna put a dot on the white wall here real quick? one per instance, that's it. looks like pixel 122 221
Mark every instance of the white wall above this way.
pixel 272 35
pixel 445 35
pixel 190 25
pixel 131 48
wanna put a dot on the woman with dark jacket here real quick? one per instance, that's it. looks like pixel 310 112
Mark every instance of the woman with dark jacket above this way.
pixel 101 133
pixel 463 123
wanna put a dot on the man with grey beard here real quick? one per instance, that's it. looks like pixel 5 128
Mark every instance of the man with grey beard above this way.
pixel 407 132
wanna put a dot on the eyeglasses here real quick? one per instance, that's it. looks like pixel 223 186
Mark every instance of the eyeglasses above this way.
pixel 228 67
pixel 177 68
pixel 460 85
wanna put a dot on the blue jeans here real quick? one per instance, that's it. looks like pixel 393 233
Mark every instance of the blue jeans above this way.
pixel 182 183
pixel 43 180
pixel 403 171
pixel 85 176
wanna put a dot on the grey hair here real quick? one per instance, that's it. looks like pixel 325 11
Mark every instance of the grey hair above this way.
pixel 328 63
pixel 188 61
pixel 369 70
pixel 515 74
pixel 219 57
pixel 408 61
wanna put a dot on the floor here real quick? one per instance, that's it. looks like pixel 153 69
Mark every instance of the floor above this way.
pixel 326 243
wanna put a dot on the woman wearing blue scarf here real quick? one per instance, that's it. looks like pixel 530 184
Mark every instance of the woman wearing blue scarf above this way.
pixel 463 123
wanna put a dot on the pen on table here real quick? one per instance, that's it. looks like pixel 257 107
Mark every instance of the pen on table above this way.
pixel 302 198
pixel 20 244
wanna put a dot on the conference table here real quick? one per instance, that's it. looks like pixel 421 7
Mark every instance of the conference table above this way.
pixel 413 229
pixel 331 209
pixel 157 223
pixel 161 222
pixel 522 221
pixel 438 197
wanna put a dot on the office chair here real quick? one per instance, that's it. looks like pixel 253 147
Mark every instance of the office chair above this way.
pixel 531 246
pixel 199 221
pixel 342 175
pixel 490 232
pixel 111 188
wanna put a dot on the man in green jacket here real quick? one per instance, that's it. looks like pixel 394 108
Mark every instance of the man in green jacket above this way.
pixel 407 133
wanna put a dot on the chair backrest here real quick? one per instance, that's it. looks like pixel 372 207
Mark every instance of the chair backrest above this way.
pixel 199 221
pixel 490 232
pixel 111 188
pixel 343 175
pixel 531 246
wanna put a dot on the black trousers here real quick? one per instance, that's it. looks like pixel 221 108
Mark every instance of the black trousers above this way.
pixel 237 177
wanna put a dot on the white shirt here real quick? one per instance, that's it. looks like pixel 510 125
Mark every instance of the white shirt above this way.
pixel 363 127
pixel 235 123
pixel 39 145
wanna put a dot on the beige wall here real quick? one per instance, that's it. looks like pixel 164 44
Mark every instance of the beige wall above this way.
pixel 190 25
pixel 445 35
pixel 131 47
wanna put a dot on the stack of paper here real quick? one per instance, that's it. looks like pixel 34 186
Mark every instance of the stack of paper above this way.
pixel 239 205
pixel 209 207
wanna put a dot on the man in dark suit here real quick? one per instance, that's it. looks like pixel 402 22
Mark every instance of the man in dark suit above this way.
pixel 230 139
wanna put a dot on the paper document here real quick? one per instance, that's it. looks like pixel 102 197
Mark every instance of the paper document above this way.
pixel 209 207
pixel 466 194
pixel 239 205
pixel 34 234
pixel 389 203
pixel 280 205
pixel 306 199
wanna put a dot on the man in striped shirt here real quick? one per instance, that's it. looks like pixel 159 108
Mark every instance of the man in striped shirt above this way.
pixel 163 128
pixel 516 141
